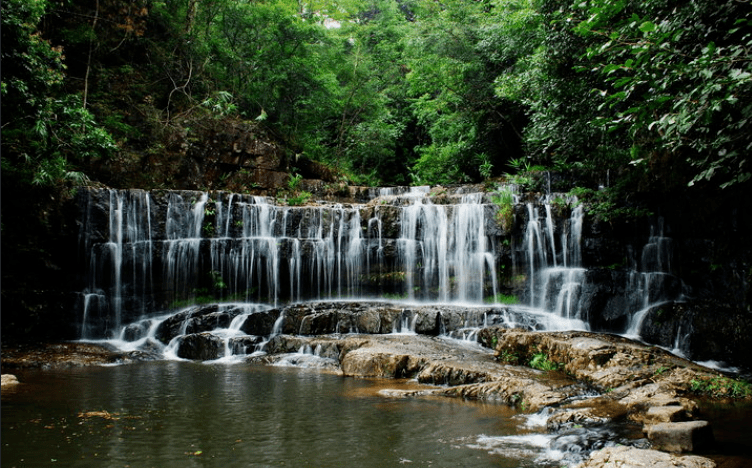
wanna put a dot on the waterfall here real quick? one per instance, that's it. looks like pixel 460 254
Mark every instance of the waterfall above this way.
pixel 653 282
pixel 118 261
pixel 555 276
pixel 146 254
pixel 169 249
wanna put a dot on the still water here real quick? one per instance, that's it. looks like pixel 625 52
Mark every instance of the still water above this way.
pixel 185 414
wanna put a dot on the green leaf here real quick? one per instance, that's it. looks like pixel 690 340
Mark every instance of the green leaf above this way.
pixel 647 27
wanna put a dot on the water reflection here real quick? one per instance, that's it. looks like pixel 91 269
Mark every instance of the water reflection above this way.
pixel 184 414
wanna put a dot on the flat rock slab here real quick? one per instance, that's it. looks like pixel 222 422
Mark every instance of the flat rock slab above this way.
pixel 56 355
pixel 453 368
pixel 688 436
pixel 630 457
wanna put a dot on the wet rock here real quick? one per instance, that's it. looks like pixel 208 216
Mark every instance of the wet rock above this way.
pixel 640 399
pixel 630 457
pixel 575 442
pixel 244 344
pixel 208 322
pixel 709 330
pixel 201 347
pixel 260 323
pixel 325 347
pixel 177 324
pixel 594 412
pixel 656 414
pixel 318 324
pixel 58 355
pixel 371 363
pixel 467 372
pixel 135 331
pixel 368 321
pixel 688 436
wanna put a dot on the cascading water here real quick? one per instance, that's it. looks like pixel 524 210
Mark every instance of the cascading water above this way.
pixel 242 248
pixel 554 273
pixel 162 251
pixel 652 281
pixel 256 262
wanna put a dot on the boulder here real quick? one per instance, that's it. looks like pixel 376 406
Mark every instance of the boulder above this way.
pixel 688 436
pixel 244 344
pixel 260 323
pixel 200 346
pixel 135 331
pixel 176 324
pixel 8 380
pixel 370 362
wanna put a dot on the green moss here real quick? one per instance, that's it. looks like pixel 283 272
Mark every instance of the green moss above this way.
pixel 504 200
pixel 541 361
pixel 502 299
pixel 721 387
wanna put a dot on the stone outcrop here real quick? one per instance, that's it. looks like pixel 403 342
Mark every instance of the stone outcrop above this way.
pixel 200 347
pixel 597 379
pixel 630 457
pixel 648 383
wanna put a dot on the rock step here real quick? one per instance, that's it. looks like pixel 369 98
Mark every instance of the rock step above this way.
pixel 687 436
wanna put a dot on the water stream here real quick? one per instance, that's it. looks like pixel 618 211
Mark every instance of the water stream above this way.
pixel 145 415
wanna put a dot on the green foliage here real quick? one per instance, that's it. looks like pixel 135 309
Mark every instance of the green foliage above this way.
pixel 503 198
pixel 678 78
pixel 48 131
pixel 605 205
pixel 721 387
pixel 399 92
pixel 218 282
pixel 509 357
pixel 503 299
pixel 294 181
pixel 485 168
pixel 541 361
pixel 455 56
pixel 300 199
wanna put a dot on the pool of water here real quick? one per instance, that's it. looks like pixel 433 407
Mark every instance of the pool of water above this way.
pixel 184 414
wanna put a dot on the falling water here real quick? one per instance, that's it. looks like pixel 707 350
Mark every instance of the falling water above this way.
pixel 653 282
pixel 236 247
pixel 160 252
pixel 555 276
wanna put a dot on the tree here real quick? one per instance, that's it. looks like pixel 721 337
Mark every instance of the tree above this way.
pixel 455 56
pixel 48 130
pixel 678 78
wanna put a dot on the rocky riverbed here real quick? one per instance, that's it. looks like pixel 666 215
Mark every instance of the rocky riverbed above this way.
pixel 576 379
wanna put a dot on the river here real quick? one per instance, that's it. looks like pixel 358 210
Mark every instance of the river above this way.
pixel 184 414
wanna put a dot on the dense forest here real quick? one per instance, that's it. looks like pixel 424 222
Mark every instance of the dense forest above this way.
pixel 385 91
pixel 632 103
